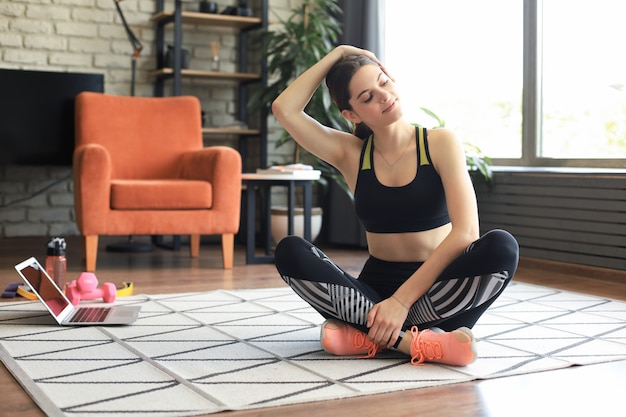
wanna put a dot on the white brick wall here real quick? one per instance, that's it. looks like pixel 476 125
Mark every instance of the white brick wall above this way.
pixel 88 36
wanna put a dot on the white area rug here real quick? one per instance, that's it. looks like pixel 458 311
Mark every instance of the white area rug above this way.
pixel 201 353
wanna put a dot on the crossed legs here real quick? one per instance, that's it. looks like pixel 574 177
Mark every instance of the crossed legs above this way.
pixel 457 299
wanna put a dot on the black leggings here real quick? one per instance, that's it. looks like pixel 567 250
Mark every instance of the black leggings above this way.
pixel 459 296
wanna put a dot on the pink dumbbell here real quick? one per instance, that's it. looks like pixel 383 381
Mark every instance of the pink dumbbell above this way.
pixel 86 288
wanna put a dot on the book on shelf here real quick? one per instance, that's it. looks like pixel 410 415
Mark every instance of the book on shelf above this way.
pixel 292 169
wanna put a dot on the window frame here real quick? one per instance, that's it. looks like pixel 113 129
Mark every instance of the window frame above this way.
pixel 531 104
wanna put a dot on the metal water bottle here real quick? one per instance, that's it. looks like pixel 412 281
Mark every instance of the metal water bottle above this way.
pixel 56 262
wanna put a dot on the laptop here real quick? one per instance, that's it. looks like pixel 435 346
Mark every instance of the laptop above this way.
pixel 63 311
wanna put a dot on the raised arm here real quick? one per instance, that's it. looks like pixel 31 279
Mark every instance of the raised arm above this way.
pixel 326 143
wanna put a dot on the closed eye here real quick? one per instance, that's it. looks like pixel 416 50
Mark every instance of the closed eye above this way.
pixel 371 96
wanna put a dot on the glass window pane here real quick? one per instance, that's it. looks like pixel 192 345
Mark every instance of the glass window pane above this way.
pixel 463 61
pixel 584 72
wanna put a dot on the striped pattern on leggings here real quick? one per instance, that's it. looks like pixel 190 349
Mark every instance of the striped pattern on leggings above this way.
pixel 459 296
pixel 450 297
pixel 333 301
pixel 444 299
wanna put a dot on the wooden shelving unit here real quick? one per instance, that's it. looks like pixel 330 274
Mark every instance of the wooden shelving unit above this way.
pixel 230 131
pixel 216 75
pixel 195 18
pixel 241 79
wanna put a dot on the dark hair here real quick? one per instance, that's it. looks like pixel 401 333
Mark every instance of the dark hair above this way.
pixel 338 80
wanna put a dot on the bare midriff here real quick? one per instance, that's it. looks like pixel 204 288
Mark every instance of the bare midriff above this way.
pixel 406 247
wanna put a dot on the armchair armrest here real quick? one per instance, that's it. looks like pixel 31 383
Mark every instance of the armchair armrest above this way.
pixel 221 166
pixel 92 188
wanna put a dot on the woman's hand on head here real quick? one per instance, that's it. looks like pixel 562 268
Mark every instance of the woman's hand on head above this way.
pixel 347 50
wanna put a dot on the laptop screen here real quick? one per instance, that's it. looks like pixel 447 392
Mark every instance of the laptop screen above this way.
pixel 43 284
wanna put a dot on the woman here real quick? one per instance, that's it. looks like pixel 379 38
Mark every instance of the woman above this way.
pixel 429 276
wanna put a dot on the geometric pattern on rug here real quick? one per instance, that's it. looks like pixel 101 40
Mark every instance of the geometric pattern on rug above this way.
pixel 202 353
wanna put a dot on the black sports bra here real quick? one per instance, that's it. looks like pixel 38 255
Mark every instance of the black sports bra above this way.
pixel 415 207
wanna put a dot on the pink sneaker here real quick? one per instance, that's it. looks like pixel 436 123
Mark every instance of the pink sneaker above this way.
pixel 342 339
pixel 451 348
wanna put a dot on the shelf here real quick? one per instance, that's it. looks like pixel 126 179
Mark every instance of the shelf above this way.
pixel 189 73
pixel 229 131
pixel 197 18
pixel 238 77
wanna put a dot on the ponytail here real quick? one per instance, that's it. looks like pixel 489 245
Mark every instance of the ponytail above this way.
pixel 362 131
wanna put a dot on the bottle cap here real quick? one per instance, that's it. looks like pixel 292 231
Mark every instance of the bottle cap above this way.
pixel 56 246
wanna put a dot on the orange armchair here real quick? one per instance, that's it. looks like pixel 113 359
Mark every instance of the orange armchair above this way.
pixel 140 169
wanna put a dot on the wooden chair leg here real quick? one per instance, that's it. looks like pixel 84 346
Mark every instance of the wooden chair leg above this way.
pixel 194 245
pixel 90 247
pixel 228 249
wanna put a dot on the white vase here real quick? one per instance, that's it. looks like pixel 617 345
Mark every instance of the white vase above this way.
pixel 279 222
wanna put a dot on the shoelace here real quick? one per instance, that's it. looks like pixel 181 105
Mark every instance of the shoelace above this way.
pixel 360 341
pixel 428 349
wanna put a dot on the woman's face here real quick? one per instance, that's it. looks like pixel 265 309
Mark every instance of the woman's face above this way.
pixel 373 98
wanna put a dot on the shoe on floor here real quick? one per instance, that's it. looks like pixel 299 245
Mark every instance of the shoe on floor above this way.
pixel 342 339
pixel 457 347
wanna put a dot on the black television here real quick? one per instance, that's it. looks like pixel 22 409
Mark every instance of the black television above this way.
pixel 37 115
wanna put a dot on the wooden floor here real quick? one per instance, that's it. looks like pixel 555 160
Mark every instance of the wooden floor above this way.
pixel 579 391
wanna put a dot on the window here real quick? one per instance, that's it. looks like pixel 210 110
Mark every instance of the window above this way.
pixel 584 71
pixel 477 66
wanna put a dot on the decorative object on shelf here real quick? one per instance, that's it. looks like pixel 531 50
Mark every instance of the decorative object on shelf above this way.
pixel 215 49
pixel 169 57
pixel 241 10
pixel 208 6
pixel 135 43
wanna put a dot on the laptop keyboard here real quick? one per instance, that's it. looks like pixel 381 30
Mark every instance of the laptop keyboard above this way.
pixel 90 315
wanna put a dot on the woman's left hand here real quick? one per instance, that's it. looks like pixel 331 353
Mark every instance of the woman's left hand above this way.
pixel 347 50
pixel 385 321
